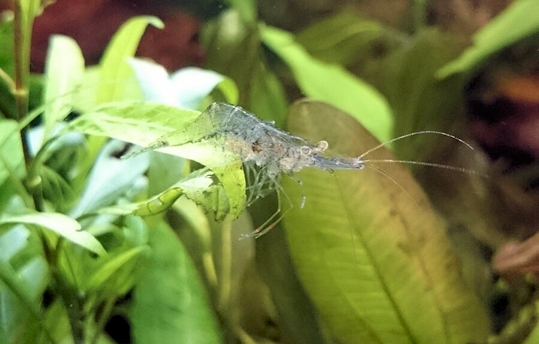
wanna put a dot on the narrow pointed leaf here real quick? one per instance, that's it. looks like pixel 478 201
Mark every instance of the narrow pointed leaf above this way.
pixel 114 66
pixel 332 83
pixel 64 72
pixel 62 225
pixel 517 22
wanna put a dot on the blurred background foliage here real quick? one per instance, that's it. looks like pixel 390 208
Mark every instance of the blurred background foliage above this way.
pixel 373 257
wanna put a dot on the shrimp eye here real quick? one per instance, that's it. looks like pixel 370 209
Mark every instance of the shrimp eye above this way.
pixel 304 150
pixel 322 146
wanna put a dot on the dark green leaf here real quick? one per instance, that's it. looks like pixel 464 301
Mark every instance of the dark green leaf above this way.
pixel 350 39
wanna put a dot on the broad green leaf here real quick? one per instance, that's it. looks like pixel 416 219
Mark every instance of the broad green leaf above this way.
pixel 517 22
pixel 170 304
pixel 114 67
pixel 332 84
pixel 62 225
pixel 64 71
pixel 145 124
pixel 369 249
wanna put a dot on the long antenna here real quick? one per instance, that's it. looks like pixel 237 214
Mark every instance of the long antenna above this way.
pixel 429 164
pixel 413 134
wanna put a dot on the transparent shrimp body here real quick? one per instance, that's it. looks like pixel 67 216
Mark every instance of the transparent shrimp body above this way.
pixel 274 150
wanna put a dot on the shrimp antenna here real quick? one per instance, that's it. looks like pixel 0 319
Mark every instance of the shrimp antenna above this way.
pixel 429 164
pixel 413 134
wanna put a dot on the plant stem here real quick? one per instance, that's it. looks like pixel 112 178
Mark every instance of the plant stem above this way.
pixel 21 46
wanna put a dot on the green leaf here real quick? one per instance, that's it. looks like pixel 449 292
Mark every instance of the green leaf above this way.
pixel 6 54
pixel 114 67
pixel 17 297
pixel 170 304
pixel 11 157
pixel 64 72
pixel 370 250
pixel 110 178
pixel 332 84
pixel 350 40
pixel 517 22
pixel 23 279
pixel 101 278
pixel 145 124
pixel 12 241
pixel 246 9
pixel 62 225
pixel 199 188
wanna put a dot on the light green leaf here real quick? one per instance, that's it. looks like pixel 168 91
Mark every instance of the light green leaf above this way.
pixel 246 9
pixel 138 122
pixel 62 225
pixel 23 279
pixel 170 304
pixel 332 84
pixel 517 22
pixel 11 157
pixel 101 278
pixel 18 301
pixel 374 258
pixel 12 241
pixel 114 67
pixel 64 71
pixel 199 188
